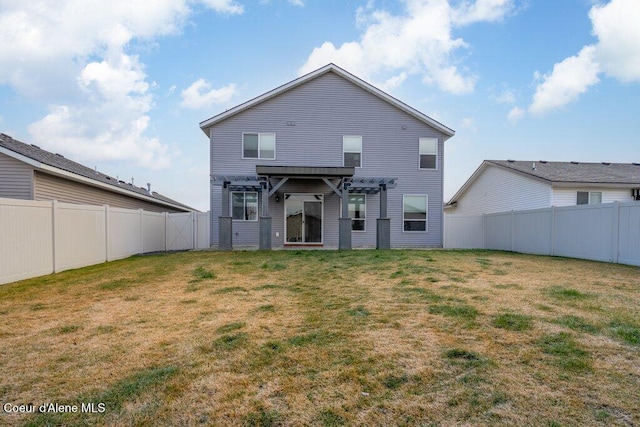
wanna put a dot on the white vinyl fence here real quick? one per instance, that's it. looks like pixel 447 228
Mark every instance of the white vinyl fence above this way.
pixel 38 238
pixel 605 232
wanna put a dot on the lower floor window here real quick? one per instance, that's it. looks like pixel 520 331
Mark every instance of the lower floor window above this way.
pixel 357 211
pixel 589 197
pixel 245 206
pixel 414 212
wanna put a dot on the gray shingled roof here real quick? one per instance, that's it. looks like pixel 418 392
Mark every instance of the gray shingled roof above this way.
pixel 578 172
pixel 58 161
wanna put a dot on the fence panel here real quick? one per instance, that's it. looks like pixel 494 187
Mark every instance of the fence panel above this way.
pixel 629 240
pixel 26 251
pixel 585 231
pixel 202 230
pixel 463 232
pixel 153 232
pixel 604 232
pixel 532 231
pixel 80 236
pixel 497 231
pixel 124 233
pixel 179 231
pixel 43 237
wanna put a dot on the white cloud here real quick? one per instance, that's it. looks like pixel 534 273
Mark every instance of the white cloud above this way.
pixel 515 114
pixel 567 81
pixel 618 49
pixel 615 54
pixel 224 6
pixel 469 123
pixel 482 11
pixel 111 124
pixel 99 94
pixel 297 2
pixel 506 97
pixel 200 95
pixel 418 41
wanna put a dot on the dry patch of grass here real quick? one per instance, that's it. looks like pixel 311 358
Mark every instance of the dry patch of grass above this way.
pixel 327 338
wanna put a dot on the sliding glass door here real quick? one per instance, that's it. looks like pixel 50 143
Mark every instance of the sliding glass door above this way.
pixel 303 218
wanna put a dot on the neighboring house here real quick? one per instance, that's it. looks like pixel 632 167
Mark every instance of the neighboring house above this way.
pixel 505 185
pixel 30 173
pixel 343 163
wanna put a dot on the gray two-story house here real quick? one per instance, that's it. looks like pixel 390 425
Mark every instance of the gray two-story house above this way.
pixel 326 160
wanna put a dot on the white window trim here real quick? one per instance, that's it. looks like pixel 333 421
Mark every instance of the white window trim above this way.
pixel 359 152
pixel 419 154
pixel 365 214
pixel 259 135
pixel 426 220
pixel 589 202
pixel 231 193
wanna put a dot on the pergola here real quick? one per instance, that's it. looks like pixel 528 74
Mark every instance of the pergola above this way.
pixel 269 179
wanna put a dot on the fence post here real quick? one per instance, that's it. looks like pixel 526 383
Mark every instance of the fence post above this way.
pixel 141 230
pixel 106 233
pixel 54 232
pixel 513 234
pixel 484 242
pixel 194 226
pixel 166 224
pixel 616 233
pixel 552 243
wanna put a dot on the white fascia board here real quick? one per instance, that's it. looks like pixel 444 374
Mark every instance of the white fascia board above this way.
pixel 92 182
pixel 312 75
pixel 579 185
pixel 20 157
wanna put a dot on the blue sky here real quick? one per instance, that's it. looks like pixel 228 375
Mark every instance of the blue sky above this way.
pixel 122 85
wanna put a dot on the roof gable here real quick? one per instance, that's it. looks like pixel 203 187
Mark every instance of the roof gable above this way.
pixel 562 174
pixel 330 68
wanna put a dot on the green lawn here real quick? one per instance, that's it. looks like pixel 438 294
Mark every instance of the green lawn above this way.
pixel 326 338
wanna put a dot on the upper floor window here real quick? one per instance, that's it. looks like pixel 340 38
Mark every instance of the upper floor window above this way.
pixel 352 151
pixel 259 146
pixel 414 212
pixel 589 197
pixel 428 153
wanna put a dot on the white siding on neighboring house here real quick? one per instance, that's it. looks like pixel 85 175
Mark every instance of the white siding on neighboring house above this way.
pixel 568 196
pixel 498 190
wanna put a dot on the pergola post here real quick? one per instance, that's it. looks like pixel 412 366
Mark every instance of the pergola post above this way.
pixel 225 222
pixel 344 225
pixel 265 218
pixel 383 224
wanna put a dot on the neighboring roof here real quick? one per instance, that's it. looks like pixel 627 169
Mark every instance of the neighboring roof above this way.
pixel 576 172
pixel 564 174
pixel 329 68
pixel 19 150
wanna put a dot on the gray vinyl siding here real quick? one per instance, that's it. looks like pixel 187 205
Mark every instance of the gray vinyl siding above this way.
pixel 48 187
pixel 15 178
pixel 323 110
